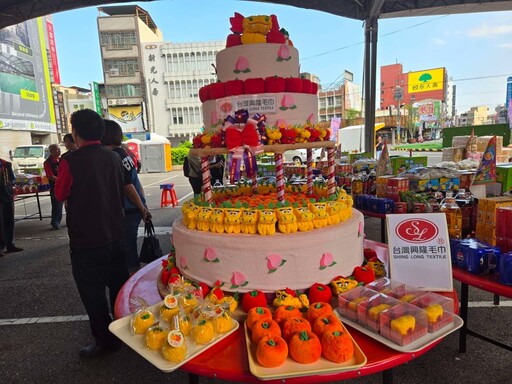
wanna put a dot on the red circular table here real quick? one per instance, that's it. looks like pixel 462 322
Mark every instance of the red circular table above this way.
pixel 228 360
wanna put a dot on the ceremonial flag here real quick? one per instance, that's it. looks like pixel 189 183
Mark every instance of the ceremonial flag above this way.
pixel 486 172
pixel 383 164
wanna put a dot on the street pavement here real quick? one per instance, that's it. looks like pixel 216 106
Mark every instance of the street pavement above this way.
pixel 43 323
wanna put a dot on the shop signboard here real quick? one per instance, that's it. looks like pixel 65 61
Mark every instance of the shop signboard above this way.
pixel 419 250
pixel 26 97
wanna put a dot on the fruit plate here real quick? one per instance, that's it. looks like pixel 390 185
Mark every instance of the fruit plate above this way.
pixel 416 345
pixel 291 368
pixel 121 328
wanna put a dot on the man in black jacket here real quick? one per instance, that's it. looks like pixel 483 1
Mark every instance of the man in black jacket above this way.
pixel 7 208
pixel 91 180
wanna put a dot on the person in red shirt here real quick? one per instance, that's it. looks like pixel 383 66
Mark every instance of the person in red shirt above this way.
pixel 91 179
pixel 51 168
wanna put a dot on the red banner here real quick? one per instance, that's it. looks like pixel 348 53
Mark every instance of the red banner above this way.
pixel 53 52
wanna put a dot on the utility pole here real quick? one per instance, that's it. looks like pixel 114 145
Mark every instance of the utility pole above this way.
pixel 399 93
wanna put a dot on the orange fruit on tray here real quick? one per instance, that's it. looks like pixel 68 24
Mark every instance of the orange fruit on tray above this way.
pixel 337 346
pixel 203 332
pixel 271 352
pixel 329 323
pixel 264 328
pixel 257 313
pixel 317 310
pixel 305 347
pixel 293 325
pixel 285 311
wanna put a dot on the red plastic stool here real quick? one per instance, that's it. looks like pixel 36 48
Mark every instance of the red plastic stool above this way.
pixel 168 195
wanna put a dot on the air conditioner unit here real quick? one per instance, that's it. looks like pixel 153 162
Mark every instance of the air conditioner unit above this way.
pixel 114 71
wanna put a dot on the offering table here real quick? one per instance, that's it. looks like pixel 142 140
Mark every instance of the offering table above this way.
pixel 228 359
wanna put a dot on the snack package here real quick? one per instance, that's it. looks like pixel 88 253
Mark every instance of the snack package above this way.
pixel 142 317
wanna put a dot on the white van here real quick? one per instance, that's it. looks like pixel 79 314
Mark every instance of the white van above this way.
pixel 27 157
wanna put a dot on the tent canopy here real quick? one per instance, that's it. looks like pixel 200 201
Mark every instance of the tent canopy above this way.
pixel 16 11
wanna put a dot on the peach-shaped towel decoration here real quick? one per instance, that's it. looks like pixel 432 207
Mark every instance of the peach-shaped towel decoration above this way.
pixel 287 102
pixel 183 262
pixel 327 260
pixel 238 280
pixel 210 255
pixel 242 65
pixel 283 54
pixel 274 261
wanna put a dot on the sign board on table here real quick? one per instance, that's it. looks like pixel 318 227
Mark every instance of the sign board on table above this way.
pixel 419 250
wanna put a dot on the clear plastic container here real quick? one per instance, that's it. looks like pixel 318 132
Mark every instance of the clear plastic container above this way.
pixel 453 216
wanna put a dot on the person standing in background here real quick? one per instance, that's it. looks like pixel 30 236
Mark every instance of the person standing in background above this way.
pixel 217 169
pixel 51 168
pixel 91 179
pixel 378 147
pixel 7 209
pixel 195 177
pixel 135 208
pixel 70 145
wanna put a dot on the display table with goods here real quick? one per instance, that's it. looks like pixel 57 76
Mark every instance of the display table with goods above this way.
pixel 480 265
pixel 232 355
pixel 28 187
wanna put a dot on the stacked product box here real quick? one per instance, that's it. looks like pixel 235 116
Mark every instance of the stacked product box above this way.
pixel 486 217
pixel 449 184
pixel 424 185
pixel 395 186
pixel 400 164
pixel 504 176
pixel 375 204
pixel 290 170
pixel 474 256
pixel 465 180
pixel 504 229
pixel 382 185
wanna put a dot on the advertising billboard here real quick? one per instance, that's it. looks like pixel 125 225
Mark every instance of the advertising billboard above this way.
pixel 426 80
pixel 25 90
pixel 129 117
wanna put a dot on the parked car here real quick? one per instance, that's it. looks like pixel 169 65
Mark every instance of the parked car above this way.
pixel 300 156
pixel 29 157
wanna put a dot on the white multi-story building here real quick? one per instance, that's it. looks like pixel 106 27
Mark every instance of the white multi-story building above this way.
pixel 174 74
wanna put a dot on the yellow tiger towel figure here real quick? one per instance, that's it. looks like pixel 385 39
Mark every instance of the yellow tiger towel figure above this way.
pixel 321 215
pixel 286 220
pixel 249 221
pixel 203 219
pixel 304 219
pixel 334 210
pixel 232 220
pixel 267 221
pixel 188 206
pixel 217 220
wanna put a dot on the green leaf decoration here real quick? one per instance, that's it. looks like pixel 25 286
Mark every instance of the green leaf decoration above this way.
pixel 246 70
pixel 236 71
pixel 283 108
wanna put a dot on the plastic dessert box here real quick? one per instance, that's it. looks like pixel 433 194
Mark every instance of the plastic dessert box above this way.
pixel 349 301
pixel 403 323
pixel 369 311
pixel 396 289
pixel 439 310
pixel 386 285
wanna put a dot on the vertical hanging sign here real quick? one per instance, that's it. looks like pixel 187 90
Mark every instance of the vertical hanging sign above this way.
pixel 96 95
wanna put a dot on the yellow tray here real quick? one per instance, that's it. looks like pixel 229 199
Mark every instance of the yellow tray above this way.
pixel 291 368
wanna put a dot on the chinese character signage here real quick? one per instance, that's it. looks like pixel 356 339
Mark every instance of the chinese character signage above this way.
pixel 419 250
pixel 427 80
pixel 254 104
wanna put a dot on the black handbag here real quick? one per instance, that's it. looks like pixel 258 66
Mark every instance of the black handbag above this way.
pixel 150 250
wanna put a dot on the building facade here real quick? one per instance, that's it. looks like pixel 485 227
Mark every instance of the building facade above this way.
pixel 175 72
pixel 122 31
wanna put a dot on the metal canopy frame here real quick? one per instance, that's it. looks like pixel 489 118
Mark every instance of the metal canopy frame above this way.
pixel 16 11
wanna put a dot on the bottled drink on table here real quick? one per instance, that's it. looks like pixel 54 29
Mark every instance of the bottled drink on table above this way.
pixel 453 216
pixel 357 184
